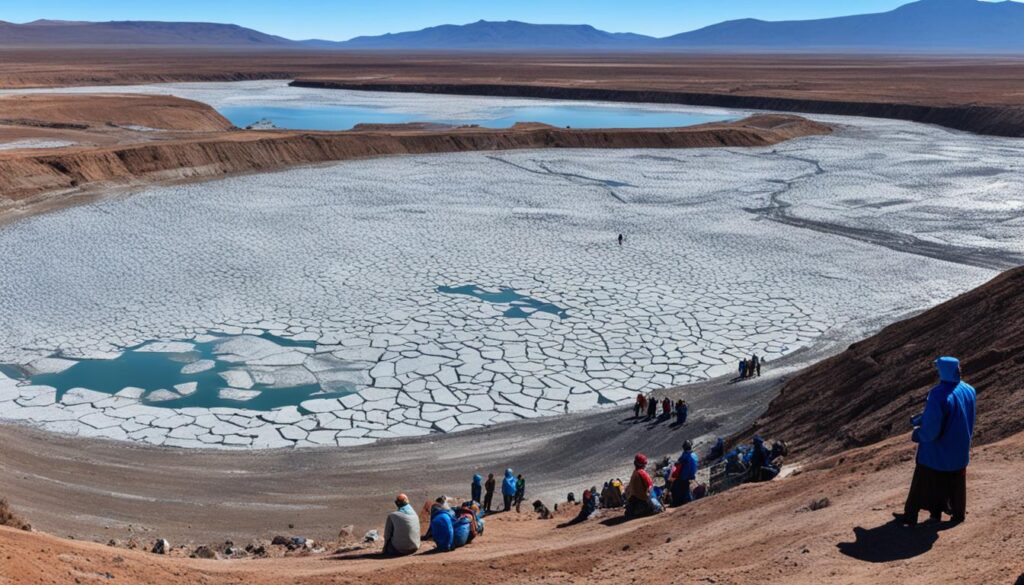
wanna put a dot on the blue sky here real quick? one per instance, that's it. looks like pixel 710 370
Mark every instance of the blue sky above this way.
pixel 342 19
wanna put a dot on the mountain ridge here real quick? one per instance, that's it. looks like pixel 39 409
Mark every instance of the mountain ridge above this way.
pixel 971 26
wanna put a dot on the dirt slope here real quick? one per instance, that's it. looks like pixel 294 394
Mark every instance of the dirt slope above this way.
pixel 150 111
pixel 754 534
pixel 870 391
pixel 25 175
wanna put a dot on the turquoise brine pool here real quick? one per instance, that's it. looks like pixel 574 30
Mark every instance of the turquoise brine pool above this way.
pixel 575 116
pixel 195 377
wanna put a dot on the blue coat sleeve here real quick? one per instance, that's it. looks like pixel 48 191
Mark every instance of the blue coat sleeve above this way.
pixel 933 418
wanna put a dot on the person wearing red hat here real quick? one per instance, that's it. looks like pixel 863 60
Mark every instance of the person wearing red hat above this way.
pixel 638 492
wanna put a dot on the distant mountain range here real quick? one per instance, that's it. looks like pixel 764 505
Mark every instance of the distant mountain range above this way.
pixel 924 26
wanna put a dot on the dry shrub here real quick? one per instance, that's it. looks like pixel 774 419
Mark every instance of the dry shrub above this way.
pixel 9 518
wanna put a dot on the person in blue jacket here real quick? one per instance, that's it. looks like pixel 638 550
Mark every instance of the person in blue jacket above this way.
pixel 943 433
pixel 476 489
pixel 688 464
pixel 442 529
pixel 508 489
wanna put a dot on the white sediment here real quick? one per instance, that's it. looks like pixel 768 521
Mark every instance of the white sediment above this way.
pixel 351 255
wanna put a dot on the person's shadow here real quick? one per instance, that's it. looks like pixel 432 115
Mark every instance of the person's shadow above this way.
pixel 890 542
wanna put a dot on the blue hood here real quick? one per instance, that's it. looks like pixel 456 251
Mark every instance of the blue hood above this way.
pixel 477 479
pixel 949 369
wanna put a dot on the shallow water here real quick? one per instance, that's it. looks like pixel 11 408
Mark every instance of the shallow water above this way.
pixel 346 117
pixel 181 374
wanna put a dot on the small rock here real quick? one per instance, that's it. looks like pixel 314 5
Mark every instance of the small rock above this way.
pixel 204 552
pixel 280 540
pixel 669 539
pixel 625 547
pixel 161 547
pixel 371 536
pixel 346 533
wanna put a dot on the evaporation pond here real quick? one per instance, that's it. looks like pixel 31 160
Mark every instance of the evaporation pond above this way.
pixel 339 117
pixel 244 371
pixel 519 306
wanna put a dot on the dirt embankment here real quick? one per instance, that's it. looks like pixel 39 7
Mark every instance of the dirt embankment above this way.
pixel 28 176
pixel 991 120
pixel 80 112
pixel 754 534
pixel 869 392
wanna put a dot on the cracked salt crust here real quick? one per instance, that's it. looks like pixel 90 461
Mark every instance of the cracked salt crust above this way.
pixel 351 256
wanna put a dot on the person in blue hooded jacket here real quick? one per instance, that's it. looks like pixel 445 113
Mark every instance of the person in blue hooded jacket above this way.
pixel 688 464
pixel 442 529
pixel 477 487
pixel 943 433
pixel 508 489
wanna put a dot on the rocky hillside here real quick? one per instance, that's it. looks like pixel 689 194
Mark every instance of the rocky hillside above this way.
pixel 869 392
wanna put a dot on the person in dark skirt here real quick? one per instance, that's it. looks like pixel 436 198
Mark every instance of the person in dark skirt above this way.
pixel 943 433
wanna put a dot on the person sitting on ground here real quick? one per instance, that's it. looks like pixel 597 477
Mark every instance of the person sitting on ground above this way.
pixel 479 516
pixel 476 487
pixel 588 508
pixel 464 527
pixel 733 464
pixel 666 407
pixel 943 433
pixel 681 411
pixel 488 493
pixel 638 491
pixel 442 524
pixel 402 529
pixel 508 489
pixel 760 467
pixel 520 491
pixel 639 405
pixel 688 465
pixel 776 457
pixel 716 452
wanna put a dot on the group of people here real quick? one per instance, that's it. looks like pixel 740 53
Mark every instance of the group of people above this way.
pixel 750 368
pixel 649 405
pixel 943 432
pixel 449 526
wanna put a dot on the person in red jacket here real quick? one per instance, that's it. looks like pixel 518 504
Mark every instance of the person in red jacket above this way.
pixel 638 492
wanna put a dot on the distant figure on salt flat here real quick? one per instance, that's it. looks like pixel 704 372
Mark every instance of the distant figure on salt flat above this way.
pixel 943 433
pixel 755 365
pixel 743 368
pixel 652 406
pixel 621 239
pixel 640 405
pixel 681 412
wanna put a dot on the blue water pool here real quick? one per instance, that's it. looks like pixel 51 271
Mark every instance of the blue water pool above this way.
pixel 340 117
pixel 520 306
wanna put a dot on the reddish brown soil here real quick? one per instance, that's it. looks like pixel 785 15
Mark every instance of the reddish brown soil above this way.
pixel 870 391
pixel 978 94
pixel 753 534
pixel 34 178
pixel 151 111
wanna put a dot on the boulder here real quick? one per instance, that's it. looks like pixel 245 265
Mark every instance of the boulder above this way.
pixel 371 536
pixel 161 547
pixel 204 552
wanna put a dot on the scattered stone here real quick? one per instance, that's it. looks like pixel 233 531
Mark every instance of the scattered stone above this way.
pixel 371 536
pixel 204 552
pixel 161 547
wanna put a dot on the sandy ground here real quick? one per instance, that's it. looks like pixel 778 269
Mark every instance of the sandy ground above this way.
pixel 753 534
pixel 96 489
pixel 934 80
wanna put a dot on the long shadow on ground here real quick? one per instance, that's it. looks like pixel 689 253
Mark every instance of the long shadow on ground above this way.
pixel 890 542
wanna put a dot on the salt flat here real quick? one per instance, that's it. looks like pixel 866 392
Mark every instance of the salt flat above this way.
pixel 447 292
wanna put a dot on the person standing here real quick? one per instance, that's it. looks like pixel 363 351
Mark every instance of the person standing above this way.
pixel 488 492
pixel 638 406
pixel 943 433
pixel 759 362
pixel 621 239
pixel 666 407
pixel 743 368
pixel 652 406
pixel 508 489
pixel 687 472
pixel 476 487
pixel 520 491
pixel 755 364
pixel 681 411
